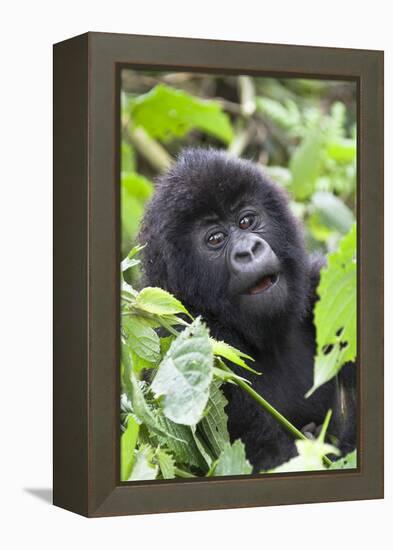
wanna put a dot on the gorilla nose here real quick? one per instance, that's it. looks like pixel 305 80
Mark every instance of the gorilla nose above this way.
pixel 251 257
pixel 248 250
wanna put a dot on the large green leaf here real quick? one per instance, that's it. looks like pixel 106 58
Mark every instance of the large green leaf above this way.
pixel 158 301
pixel 335 312
pixel 184 376
pixel 166 113
pixel 232 461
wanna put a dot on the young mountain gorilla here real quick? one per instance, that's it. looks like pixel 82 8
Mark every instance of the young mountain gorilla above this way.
pixel 221 238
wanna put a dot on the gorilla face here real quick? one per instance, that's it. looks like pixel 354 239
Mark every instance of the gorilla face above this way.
pixel 238 246
pixel 220 237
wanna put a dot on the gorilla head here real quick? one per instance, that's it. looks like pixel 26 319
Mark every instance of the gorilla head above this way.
pixel 220 237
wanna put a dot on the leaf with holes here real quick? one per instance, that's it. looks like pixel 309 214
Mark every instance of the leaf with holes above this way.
pixel 335 312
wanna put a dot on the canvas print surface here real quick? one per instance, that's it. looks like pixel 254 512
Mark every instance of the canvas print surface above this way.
pixel 238 275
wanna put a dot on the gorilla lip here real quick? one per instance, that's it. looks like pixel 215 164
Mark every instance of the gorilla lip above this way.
pixel 264 284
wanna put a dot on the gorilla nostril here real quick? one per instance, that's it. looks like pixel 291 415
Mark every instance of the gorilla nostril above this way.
pixel 257 248
pixel 243 256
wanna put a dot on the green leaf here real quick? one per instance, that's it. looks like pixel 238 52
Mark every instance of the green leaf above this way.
pixel 232 461
pixel 181 443
pixel 143 465
pixel 232 354
pixel 213 425
pixel 144 412
pixel 137 186
pixel 184 376
pixel 335 312
pixel 166 464
pixel 142 339
pixel 342 150
pixel 127 157
pixel 166 113
pixel 306 163
pixel 202 448
pixel 347 462
pixel 135 190
pixel 311 453
pixel 317 229
pixel 127 263
pixel 160 302
pixel 127 447
pixel 333 212
pixel 310 457
pixel 130 260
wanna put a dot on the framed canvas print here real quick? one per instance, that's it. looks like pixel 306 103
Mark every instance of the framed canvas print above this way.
pixel 218 274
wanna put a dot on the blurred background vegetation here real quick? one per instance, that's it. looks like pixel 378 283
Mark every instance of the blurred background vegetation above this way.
pixel 301 132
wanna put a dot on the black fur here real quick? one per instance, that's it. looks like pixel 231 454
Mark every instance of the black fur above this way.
pixel 281 336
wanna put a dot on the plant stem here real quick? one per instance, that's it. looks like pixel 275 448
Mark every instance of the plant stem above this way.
pixel 168 327
pixel 274 412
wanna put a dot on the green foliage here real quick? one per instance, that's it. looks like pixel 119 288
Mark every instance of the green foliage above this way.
pixel 184 375
pixel 347 462
pixel 158 301
pixel 127 447
pixel 232 354
pixel 311 453
pixel 166 113
pixel 144 467
pixel 166 464
pixel 332 212
pixel 309 459
pixel 232 461
pixel 135 191
pixel 174 423
pixel 213 426
pixel 335 312
pixel 306 164
pixel 304 133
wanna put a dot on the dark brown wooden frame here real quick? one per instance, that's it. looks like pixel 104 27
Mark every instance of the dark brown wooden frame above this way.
pixel 86 273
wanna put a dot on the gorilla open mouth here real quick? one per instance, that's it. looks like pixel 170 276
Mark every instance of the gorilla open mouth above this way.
pixel 264 284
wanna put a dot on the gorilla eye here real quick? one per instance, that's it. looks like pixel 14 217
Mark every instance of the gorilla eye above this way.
pixel 247 221
pixel 216 238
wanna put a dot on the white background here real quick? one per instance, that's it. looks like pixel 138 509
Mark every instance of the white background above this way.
pixel 28 30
